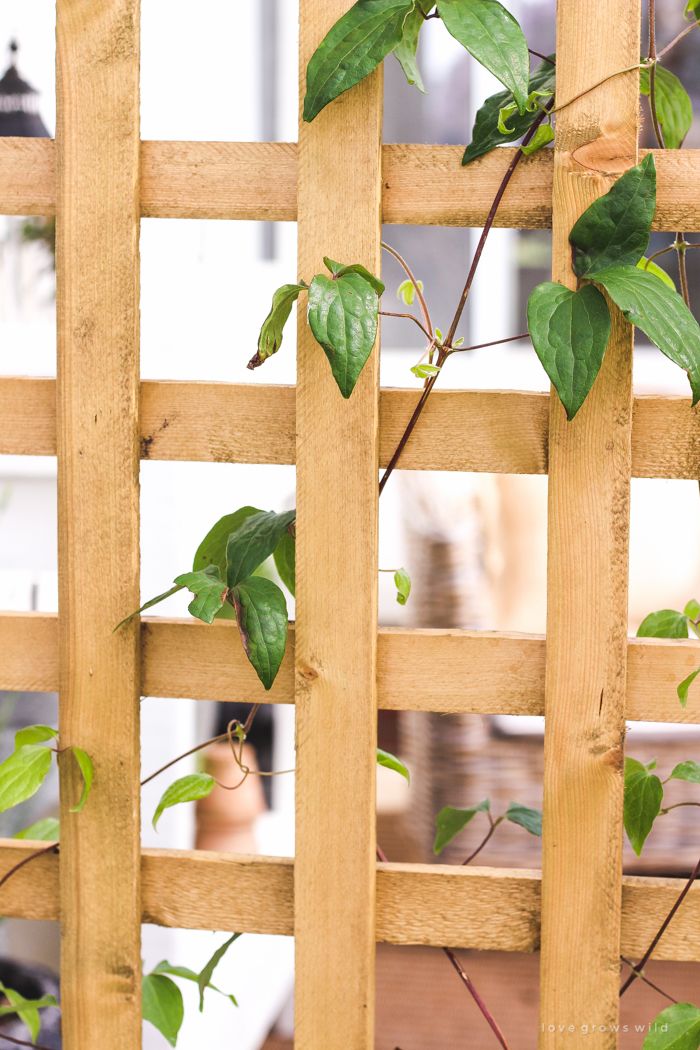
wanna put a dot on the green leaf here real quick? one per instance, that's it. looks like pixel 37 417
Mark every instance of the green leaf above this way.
pixel 692 609
pixel 34 735
pixel 270 338
pixel 666 623
pixel 189 788
pixel 162 1005
pixel 209 592
pixel 343 316
pixel 352 49
pixel 261 612
pixel 450 821
pixel 389 761
pixel 406 291
pixel 26 1009
pixel 542 137
pixel 660 313
pixel 253 542
pixel 684 687
pixel 339 270
pixel 493 37
pixel 693 8
pixel 614 230
pixel 402 582
pixel 87 771
pixel 643 797
pixel 44 830
pixel 425 371
pixel 485 133
pixel 689 771
pixel 407 47
pixel 212 549
pixel 285 560
pixel 207 972
pixel 674 108
pixel 147 605
pixel 22 774
pixel 675 1028
pixel 570 332
pixel 503 115
pixel 650 266
pixel 530 819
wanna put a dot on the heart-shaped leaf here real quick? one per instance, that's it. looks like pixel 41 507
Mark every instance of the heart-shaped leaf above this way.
pixel 209 592
pixel 675 1028
pixel 22 774
pixel 666 623
pixel 525 817
pixel 485 133
pixel 661 314
pixel 189 788
pixel 261 612
pixel 689 771
pixel 643 797
pixel 570 332
pixel 254 541
pixel 352 49
pixel 402 582
pixel 493 37
pixel 450 821
pixel 162 1005
pixel 684 687
pixel 614 230
pixel 674 108
pixel 44 830
pixel 270 338
pixel 343 315
pixel 38 734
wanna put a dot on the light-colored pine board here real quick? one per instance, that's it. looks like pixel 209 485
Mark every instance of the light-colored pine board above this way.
pixel 257 180
pixel 97 270
pixel 27 176
pixel 219 180
pixel 336 595
pixel 497 431
pixel 588 536
pixel 448 672
pixel 475 907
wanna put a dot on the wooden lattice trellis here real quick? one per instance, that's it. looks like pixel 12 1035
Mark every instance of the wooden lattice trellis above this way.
pixel 338 184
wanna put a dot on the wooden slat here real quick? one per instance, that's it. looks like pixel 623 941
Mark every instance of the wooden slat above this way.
pixel 588 538
pixel 97 270
pixel 422 185
pixel 486 908
pixel 497 431
pixel 336 598
pixel 448 672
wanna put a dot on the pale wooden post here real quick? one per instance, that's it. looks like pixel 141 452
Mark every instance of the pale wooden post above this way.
pixel 589 477
pixel 336 634
pixel 98 461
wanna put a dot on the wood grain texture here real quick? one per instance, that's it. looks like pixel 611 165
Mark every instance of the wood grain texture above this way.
pixel 475 907
pixel 498 431
pixel 448 672
pixel 424 185
pixel 97 270
pixel 336 595
pixel 590 464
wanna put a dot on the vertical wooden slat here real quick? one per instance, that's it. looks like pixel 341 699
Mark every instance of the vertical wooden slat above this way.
pixel 337 460
pixel 589 472
pixel 98 460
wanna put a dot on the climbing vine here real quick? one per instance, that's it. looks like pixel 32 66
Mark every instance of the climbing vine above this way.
pixel 569 329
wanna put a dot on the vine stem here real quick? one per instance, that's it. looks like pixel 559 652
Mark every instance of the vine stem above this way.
pixel 22 1042
pixel 409 317
pixel 643 977
pixel 419 292
pixel 652 74
pixel 677 39
pixel 662 929
pixel 51 848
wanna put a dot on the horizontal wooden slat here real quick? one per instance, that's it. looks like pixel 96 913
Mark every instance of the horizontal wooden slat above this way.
pixel 419 670
pixel 257 180
pixel 487 908
pixel 499 431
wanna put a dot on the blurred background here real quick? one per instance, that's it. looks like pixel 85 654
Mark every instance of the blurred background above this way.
pixel 474 545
